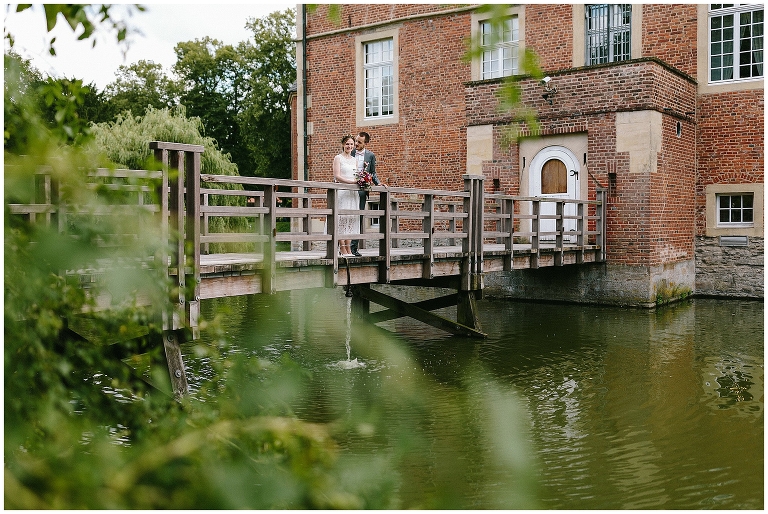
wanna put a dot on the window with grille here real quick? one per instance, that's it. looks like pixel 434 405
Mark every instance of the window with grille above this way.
pixel 735 42
pixel 379 78
pixel 735 210
pixel 499 40
pixel 608 32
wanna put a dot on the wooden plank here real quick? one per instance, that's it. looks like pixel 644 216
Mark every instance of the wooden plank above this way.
pixel 164 145
pixel 233 237
pixel 292 279
pixel 220 287
pixel 233 210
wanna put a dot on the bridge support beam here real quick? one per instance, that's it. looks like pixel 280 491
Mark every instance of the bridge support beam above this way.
pixel 466 310
pixel 420 311
pixel 171 345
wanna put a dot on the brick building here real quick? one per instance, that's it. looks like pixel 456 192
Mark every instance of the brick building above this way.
pixel 660 104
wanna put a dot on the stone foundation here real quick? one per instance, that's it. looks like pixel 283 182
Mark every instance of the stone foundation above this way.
pixel 733 271
pixel 635 286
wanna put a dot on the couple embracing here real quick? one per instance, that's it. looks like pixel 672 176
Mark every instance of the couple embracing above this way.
pixel 348 168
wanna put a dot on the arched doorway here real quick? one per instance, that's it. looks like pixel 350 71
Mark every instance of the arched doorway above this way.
pixel 555 173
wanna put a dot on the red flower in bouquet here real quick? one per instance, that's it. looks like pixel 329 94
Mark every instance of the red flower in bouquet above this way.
pixel 364 179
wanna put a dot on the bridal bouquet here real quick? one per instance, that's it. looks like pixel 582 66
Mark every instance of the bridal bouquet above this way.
pixel 364 179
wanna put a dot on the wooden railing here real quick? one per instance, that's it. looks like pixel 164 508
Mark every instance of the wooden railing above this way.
pixel 240 215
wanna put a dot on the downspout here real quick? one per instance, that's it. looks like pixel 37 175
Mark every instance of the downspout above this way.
pixel 304 85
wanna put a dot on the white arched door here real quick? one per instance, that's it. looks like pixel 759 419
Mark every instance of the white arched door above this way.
pixel 555 173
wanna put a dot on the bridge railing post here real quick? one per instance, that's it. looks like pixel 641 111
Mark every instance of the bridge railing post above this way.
pixel 472 247
pixel 560 229
pixel 580 229
pixel 180 225
pixel 270 247
pixel 332 224
pixel 508 227
pixel 428 227
pixel 387 227
pixel 394 223
pixel 535 228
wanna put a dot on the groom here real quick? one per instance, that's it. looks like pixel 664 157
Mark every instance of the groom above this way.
pixel 366 160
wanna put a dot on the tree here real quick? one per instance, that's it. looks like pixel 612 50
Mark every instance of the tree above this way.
pixel 272 60
pixel 137 87
pixel 212 74
pixel 241 93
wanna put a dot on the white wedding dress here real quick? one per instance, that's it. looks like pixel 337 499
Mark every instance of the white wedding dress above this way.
pixel 348 199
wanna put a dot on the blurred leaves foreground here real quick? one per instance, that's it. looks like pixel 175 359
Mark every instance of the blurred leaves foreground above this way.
pixel 85 430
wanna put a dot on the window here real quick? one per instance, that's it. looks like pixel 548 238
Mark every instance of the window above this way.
pixel 500 42
pixel 379 78
pixel 608 32
pixel 735 42
pixel 735 210
pixel 374 206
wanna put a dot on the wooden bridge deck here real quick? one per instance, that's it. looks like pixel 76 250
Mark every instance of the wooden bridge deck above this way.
pixel 233 274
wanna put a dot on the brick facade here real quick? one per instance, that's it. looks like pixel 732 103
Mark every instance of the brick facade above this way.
pixel 651 135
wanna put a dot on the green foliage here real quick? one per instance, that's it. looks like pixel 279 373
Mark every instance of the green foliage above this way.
pixel 125 143
pixel 22 123
pixel 241 93
pixel 266 117
pixel 83 429
pixel 136 88
pixel 84 17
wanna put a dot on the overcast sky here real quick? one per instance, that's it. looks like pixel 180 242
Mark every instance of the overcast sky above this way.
pixel 162 25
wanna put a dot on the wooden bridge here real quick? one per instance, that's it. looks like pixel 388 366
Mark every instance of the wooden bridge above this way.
pixel 231 235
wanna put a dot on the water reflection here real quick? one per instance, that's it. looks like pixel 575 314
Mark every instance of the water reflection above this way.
pixel 621 408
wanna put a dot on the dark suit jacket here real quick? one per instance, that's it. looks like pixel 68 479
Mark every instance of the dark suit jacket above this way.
pixel 370 158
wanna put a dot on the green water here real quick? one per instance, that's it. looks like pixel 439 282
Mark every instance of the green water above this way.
pixel 561 407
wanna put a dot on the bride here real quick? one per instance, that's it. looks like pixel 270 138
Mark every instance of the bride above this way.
pixel 344 168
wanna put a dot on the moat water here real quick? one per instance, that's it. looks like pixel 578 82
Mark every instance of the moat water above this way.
pixel 561 407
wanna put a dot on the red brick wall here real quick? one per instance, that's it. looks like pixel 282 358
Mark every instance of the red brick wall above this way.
pixel 549 32
pixel 672 189
pixel 669 34
pixel 730 145
pixel 652 217
pixel 427 148
pixel 356 15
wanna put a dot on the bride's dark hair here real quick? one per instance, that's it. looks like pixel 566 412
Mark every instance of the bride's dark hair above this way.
pixel 348 136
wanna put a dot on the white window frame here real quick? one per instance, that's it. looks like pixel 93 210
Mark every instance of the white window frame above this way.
pixel 611 30
pixel 500 41
pixel 717 40
pixel 713 226
pixel 731 210
pixel 516 11
pixel 378 76
pixel 377 72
